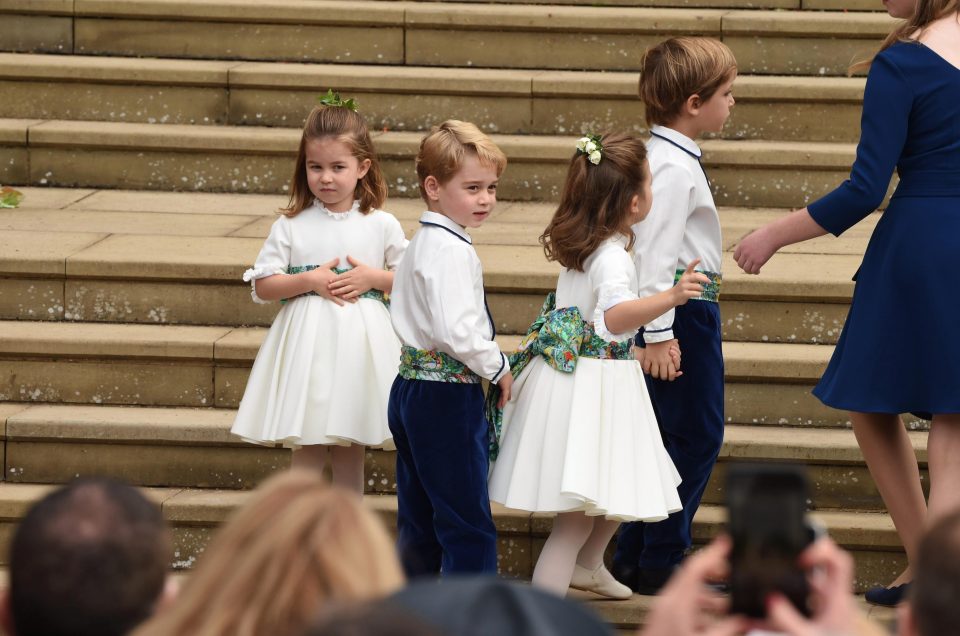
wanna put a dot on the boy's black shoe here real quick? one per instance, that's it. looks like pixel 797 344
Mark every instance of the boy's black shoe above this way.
pixel 651 580
pixel 625 573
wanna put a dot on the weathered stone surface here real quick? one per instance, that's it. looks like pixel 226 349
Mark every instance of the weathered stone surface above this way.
pixel 164 303
pixel 41 253
pixel 149 223
pixel 105 102
pixel 36 33
pixel 769 321
pixel 238 40
pixel 113 382
pixel 31 299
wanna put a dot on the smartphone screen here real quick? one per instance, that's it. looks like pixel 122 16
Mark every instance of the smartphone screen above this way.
pixel 767 506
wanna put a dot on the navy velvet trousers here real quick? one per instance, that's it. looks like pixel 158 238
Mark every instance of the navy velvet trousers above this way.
pixel 690 414
pixel 444 521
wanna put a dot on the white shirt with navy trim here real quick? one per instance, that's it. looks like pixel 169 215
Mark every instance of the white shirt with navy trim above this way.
pixel 438 302
pixel 683 223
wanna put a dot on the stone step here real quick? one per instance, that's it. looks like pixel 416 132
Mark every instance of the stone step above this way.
pixel 190 447
pixel 401 98
pixel 438 34
pixel 243 159
pixel 810 5
pixel 145 257
pixel 181 366
pixel 195 514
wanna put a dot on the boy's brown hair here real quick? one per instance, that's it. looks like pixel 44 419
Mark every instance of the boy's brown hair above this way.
pixel 680 67
pixel 595 203
pixel 442 152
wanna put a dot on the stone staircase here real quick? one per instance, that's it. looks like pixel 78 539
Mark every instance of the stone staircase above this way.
pixel 154 141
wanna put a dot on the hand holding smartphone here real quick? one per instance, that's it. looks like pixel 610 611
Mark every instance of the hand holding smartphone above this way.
pixel 767 506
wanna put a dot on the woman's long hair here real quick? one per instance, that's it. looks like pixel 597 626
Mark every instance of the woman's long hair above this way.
pixel 595 203
pixel 926 12
pixel 297 544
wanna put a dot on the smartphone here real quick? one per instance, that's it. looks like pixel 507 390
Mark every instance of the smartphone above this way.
pixel 767 506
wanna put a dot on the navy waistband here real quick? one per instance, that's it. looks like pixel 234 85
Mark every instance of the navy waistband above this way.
pixel 929 183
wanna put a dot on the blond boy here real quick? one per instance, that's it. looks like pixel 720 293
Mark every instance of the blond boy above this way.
pixel 436 411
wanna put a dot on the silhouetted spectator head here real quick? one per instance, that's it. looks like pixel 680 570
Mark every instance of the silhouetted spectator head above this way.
pixel 934 606
pixel 89 558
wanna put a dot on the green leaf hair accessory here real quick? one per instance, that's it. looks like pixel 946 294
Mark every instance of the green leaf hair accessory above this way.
pixel 10 198
pixel 591 146
pixel 333 99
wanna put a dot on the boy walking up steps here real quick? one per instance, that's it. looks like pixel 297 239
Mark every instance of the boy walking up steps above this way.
pixel 686 87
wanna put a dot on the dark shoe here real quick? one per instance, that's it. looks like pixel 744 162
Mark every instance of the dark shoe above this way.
pixel 626 574
pixel 651 580
pixel 887 596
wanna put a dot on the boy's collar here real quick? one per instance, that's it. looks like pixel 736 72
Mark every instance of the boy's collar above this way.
pixel 435 218
pixel 678 138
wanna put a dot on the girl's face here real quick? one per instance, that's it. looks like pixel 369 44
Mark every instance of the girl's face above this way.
pixel 901 9
pixel 333 172
pixel 642 203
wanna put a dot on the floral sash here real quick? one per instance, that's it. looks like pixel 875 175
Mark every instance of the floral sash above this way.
pixel 419 364
pixel 711 291
pixel 560 337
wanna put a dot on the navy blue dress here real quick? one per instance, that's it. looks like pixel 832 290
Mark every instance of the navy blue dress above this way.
pixel 900 348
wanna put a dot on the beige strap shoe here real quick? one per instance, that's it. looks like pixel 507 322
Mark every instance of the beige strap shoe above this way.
pixel 599 581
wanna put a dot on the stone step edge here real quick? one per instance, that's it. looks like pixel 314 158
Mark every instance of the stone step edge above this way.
pixel 237 346
pixel 89 135
pixel 416 80
pixel 425 15
pixel 22 422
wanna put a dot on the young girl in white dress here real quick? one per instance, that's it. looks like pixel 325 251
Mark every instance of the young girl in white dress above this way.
pixel 579 437
pixel 322 376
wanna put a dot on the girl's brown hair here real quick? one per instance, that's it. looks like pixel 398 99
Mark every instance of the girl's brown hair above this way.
pixel 927 11
pixel 345 125
pixel 595 203
pixel 296 544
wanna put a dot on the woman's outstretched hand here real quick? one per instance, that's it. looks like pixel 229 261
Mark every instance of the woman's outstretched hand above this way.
pixel 754 251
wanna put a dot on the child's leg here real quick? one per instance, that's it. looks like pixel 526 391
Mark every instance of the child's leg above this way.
pixel 313 457
pixel 420 552
pixel 893 465
pixel 346 463
pixel 554 568
pixel 690 415
pixel 591 554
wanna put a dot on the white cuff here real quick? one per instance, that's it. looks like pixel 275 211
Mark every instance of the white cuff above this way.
pixel 607 300
pixel 254 274
pixel 653 337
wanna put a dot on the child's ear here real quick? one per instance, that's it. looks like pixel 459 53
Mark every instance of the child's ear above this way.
pixel 693 104
pixel 432 187
pixel 364 168
pixel 635 205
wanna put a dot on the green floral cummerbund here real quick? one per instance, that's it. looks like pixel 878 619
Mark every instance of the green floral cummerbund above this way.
pixel 375 294
pixel 711 291
pixel 560 337
pixel 418 364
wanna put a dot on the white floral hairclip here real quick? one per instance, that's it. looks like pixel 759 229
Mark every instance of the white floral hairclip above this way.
pixel 591 146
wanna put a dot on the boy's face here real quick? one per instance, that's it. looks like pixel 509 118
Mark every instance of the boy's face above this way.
pixel 715 111
pixel 468 197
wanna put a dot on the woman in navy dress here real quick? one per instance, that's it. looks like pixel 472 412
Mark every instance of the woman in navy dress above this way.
pixel 900 349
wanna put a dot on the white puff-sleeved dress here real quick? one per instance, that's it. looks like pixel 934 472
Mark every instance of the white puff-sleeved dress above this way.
pixel 587 440
pixel 324 371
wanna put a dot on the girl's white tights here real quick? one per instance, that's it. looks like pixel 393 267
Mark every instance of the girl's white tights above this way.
pixel 346 463
pixel 575 539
